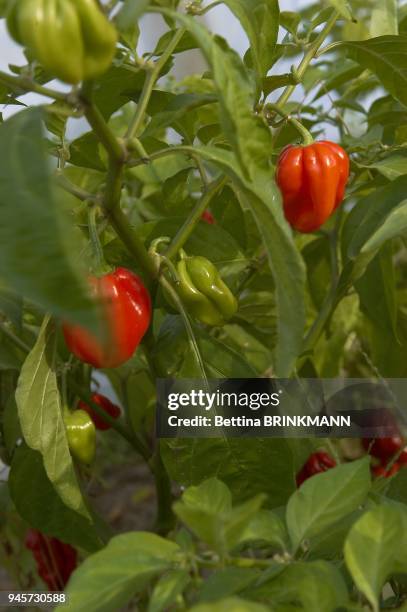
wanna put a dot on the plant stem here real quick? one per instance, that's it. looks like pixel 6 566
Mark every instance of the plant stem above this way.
pixel 99 125
pixel 26 84
pixel 133 243
pixel 188 226
pixel 308 57
pixel 73 189
pixel 15 339
pixel 112 195
pixel 165 519
pixel 149 83
pixel 306 135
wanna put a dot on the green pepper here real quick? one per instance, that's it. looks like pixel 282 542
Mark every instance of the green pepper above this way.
pixel 81 435
pixel 204 294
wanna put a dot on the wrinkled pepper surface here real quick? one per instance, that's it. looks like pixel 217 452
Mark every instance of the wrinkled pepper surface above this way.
pixel 312 180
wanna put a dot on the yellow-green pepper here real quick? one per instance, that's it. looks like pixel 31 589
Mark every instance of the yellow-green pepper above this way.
pixel 204 294
pixel 72 39
pixel 81 435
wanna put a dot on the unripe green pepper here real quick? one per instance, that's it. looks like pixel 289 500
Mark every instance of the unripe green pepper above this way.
pixel 72 39
pixel 81 435
pixel 203 292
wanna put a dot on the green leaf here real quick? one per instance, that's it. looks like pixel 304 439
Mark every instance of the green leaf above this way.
pixel 339 75
pixel 35 235
pixel 227 582
pixel 11 357
pixel 375 548
pixel 326 498
pixel 173 356
pixel 386 57
pixel 248 135
pixel 318 585
pixel 40 415
pixel 108 579
pixel 379 216
pixel 377 291
pixel 207 510
pixel 275 81
pixel 238 462
pixel 260 20
pixel 38 503
pixel 129 14
pixel 268 527
pixel 168 589
pixel 384 18
pixel 342 6
pixel 391 167
pixel 290 21
pixel 230 604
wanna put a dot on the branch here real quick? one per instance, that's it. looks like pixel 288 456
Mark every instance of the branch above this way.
pixel 18 83
pixel 149 83
pixel 308 57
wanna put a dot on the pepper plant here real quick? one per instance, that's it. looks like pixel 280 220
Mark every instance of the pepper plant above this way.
pixel 143 235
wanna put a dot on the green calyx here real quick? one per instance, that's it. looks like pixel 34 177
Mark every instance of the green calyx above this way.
pixel 202 291
pixel 72 39
pixel 81 435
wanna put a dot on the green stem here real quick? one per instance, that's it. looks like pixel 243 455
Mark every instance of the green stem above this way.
pixel 308 57
pixel 165 519
pixel 188 226
pixel 306 135
pixel 26 84
pixel 131 240
pixel 94 239
pixel 99 125
pixel 15 339
pixel 149 83
pixel 73 189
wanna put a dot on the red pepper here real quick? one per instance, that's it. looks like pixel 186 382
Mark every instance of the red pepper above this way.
pixel 380 471
pixel 312 180
pixel 126 312
pixel 316 464
pixel 108 406
pixel 55 560
pixel 385 448
pixel 208 217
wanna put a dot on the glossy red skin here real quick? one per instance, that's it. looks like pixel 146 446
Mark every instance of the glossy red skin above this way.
pixel 55 560
pixel 208 217
pixel 385 448
pixel 312 180
pixel 108 406
pixel 379 471
pixel 316 464
pixel 127 314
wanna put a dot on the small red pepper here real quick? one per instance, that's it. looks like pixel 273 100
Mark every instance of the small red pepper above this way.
pixel 111 409
pixel 127 313
pixel 312 180
pixel 208 217
pixel 316 464
pixel 385 448
pixel 380 471
pixel 55 560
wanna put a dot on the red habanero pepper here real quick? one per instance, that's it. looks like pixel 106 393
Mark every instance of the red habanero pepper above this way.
pixel 385 448
pixel 312 180
pixel 208 217
pixel 108 406
pixel 55 560
pixel 316 464
pixel 380 471
pixel 126 308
